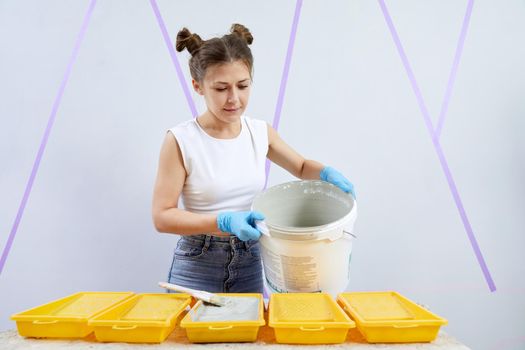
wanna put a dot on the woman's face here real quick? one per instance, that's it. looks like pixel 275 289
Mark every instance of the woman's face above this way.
pixel 226 90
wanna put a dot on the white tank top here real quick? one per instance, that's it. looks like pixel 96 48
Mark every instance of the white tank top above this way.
pixel 222 174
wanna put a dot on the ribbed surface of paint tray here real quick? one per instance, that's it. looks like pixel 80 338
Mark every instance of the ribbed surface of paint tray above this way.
pixel 87 304
pixel 381 306
pixel 67 317
pixel 144 318
pixel 303 307
pixel 153 307
pixel 389 317
pixel 307 318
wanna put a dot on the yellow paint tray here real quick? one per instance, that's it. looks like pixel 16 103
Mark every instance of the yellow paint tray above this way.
pixel 67 317
pixel 308 318
pixel 227 330
pixel 389 317
pixel 144 318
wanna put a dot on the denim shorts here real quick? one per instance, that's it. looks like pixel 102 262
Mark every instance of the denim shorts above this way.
pixel 217 264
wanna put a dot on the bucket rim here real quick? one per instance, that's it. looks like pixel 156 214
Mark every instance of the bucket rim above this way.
pixel 319 229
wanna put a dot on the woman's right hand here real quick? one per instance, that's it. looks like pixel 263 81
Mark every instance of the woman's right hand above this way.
pixel 240 224
pixel 334 177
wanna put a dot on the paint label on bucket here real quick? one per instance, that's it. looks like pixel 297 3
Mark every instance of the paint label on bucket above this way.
pixel 286 273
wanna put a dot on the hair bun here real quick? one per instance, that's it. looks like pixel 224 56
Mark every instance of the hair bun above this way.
pixel 242 32
pixel 188 40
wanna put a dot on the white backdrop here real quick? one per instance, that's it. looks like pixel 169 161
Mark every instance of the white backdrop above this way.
pixel 348 103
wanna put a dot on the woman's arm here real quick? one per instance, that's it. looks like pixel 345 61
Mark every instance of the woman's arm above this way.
pixel 286 157
pixel 283 155
pixel 167 217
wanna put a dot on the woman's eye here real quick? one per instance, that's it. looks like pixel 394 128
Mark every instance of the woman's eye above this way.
pixel 220 89
pixel 243 86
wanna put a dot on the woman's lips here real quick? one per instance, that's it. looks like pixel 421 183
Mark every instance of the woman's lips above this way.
pixel 231 109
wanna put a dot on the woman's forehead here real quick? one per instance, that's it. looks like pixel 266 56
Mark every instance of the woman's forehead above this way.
pixel 227 73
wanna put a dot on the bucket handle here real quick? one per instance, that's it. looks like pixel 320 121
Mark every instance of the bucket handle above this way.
pixel 350 233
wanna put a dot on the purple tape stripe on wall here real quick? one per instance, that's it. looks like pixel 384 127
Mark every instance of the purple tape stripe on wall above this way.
pixel 169 44
pixel 284 78
pixel 435 137
pixel 453 71
pixel 47 131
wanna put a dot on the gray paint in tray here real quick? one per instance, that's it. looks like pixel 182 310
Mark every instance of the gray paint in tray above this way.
pixel 235 309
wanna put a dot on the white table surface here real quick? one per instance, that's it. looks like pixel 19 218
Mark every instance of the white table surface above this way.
pixel 177 340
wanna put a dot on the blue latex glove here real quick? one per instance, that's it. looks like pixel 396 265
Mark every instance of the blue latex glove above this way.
pixel 240 223
pixel 333 176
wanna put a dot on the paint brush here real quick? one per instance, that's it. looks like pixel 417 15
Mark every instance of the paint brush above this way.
pixel 199 294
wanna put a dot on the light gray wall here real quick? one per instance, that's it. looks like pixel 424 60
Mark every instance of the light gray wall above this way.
pixel 348 103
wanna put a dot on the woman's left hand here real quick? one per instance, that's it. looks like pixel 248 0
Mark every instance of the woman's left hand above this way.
pixel 333 176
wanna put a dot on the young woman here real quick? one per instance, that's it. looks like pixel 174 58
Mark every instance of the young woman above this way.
pixel 216 164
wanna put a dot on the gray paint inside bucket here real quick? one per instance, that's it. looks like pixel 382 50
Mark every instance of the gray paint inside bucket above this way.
pixel 302 204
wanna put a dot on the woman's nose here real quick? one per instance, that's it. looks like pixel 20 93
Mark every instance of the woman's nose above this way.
pixel 233 96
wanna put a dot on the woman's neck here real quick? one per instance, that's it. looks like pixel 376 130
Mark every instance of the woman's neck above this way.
pixel 217 128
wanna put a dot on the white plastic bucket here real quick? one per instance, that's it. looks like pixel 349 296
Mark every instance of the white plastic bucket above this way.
pixel 307 241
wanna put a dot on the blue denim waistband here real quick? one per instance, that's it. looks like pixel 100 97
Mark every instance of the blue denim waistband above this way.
pixel 222 241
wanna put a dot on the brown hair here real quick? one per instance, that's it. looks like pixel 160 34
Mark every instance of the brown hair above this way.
pixel 204 53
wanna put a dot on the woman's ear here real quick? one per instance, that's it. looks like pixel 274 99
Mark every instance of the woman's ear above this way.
pixel 196 87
